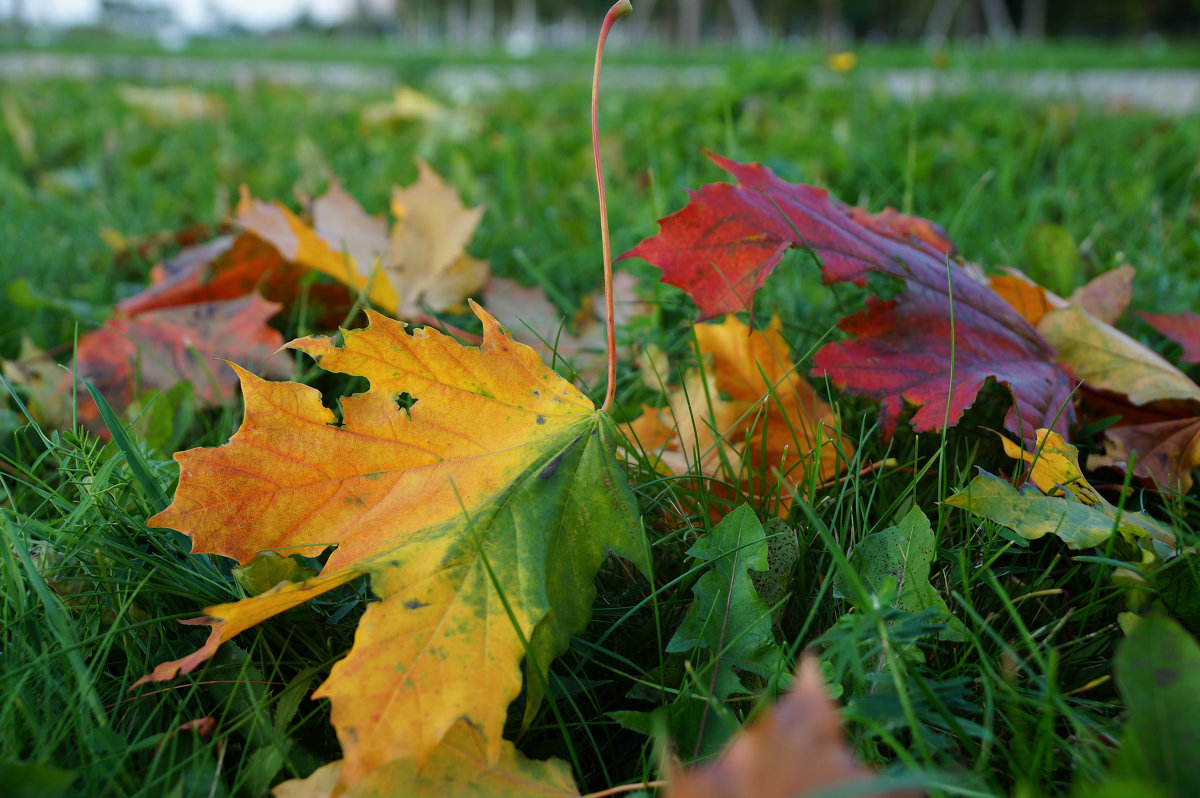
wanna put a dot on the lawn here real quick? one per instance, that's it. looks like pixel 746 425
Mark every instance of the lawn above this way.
pixel 1022 704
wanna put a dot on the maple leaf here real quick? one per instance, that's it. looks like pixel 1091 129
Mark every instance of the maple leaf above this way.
pixel 1106 358
pixel 796 747
pixel 234 266
pixel 481 514
pixel 421 262
pixel 157 349
pixel 1182 328
pixel 1105 297
pixel 1163 452
pixel 724 244
pixel 771 423
pixel 458 768
pixel 1162 436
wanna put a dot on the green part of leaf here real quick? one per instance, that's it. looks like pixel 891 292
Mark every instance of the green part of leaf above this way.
pixel 35 780
pixel 728 617
pixel 268 569
pixel 1158 674
pixel 1033 515
pixel 903 554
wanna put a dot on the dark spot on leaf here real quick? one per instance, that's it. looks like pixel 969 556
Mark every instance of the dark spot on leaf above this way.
pixel 549 469
pixel 537 394
pixel 541 419
pixel 414 604
pixel 1164 677
pixel 394 563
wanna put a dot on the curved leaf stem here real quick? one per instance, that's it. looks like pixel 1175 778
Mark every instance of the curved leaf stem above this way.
pixel 619 9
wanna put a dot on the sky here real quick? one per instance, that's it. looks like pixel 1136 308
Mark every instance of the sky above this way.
pixel 193 14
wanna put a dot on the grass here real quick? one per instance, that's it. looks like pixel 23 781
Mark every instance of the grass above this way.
pixel 1022 707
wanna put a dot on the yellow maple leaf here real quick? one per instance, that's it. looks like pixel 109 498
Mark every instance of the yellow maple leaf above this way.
pixel 481 514
pixel 421 262
pixel 749 411
pixel 458 768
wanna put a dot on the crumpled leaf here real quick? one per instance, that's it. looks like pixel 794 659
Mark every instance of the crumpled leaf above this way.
pixel 458 768
pixel 728 617
pixel 1182 328
pixel 1163 452
pixel 1063 504
pixel 795 748
pixel 234 266
pixel 421 262
pixel 903 553
pixel 772 421
pixel 722 246
pixel 499 480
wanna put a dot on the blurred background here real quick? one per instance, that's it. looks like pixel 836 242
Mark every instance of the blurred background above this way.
pixel 522 26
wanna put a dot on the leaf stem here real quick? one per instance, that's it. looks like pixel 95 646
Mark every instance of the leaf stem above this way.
pixel 619 9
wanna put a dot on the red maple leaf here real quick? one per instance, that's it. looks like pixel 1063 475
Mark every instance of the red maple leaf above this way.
pixel 934 345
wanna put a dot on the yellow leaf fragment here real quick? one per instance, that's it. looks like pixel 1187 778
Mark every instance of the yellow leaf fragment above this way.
pixel 458 768
pixel 1055 466
pixel 1106 358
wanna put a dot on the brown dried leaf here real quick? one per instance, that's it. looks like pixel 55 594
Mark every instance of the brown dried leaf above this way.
pixel 793 749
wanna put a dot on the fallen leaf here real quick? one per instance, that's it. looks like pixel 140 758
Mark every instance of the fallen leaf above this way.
pixel 722 246
pixel 1054 467
pixel 1157 670
pixel 1182 328
pixel 795 748
pixel 1062 504
pixel 234 266
pixel 40 379
pixel 903 553
pixel 1163 452
pixel 495 493
pixel 1107 295
pixel 1028 298
pixel 407 104
pixel 1106 358
pixel 421 262
pixel 458 768
pixel 1053 256
pixel 771 425
pixel 172 104
pixel 157 349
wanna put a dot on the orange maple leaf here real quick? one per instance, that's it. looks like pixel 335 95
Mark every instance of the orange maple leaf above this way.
pixel 481 514
pixel 756 414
